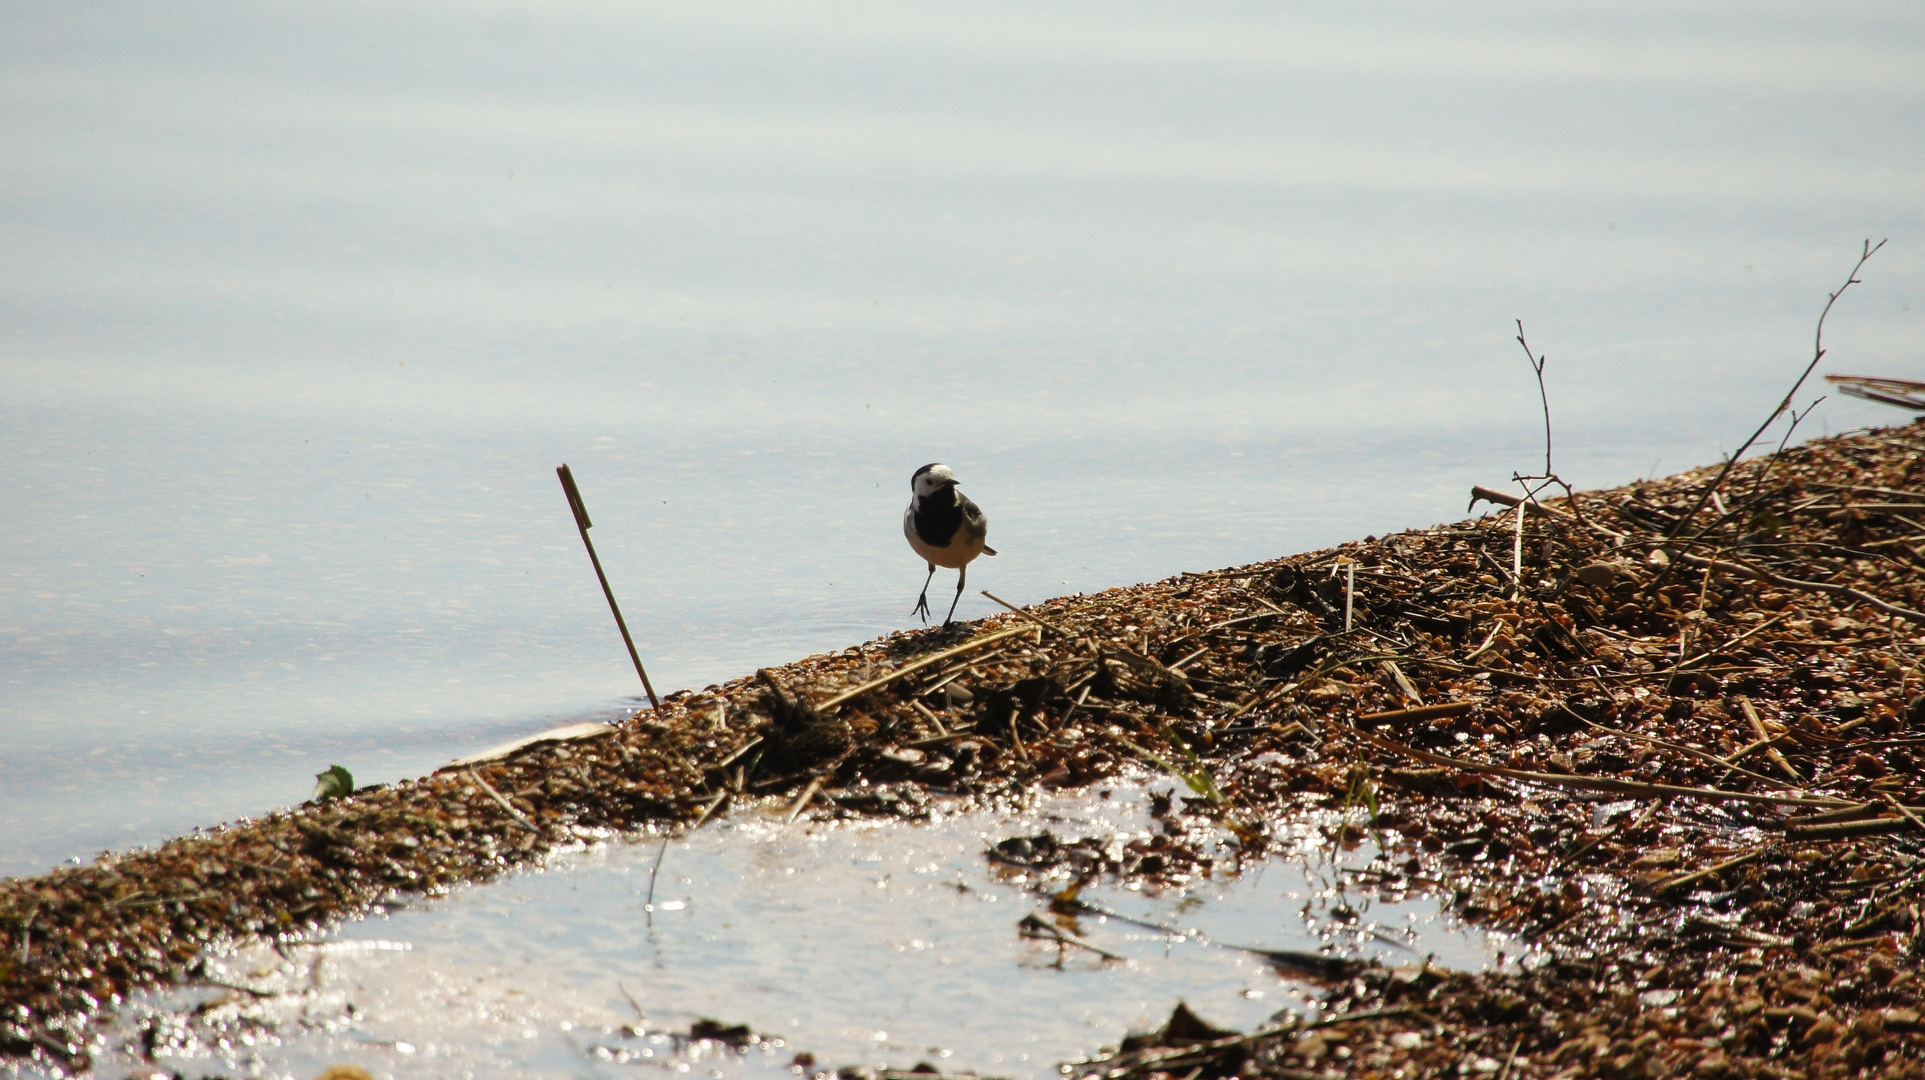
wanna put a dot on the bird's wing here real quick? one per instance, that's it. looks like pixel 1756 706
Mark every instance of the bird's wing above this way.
pixel 974 525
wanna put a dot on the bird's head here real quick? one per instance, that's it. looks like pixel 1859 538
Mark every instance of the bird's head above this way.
pixel 931 478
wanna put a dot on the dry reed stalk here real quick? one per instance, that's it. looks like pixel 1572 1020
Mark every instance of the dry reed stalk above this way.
pixel 519 817
pixel 911 669
pixel 1758 728
pixel 802 801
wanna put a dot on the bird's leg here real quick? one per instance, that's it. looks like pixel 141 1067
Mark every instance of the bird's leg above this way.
pixel 922 602
pixel 962 575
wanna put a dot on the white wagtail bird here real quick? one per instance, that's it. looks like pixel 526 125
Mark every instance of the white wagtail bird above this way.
pixel 945 528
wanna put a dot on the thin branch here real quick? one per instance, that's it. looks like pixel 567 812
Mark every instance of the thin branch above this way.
pixel 1732 564
pixel 910 669
pixel 1537 368
pixel 1772 458
pixel 1517 561
pixel 1818 353
pixel 520 818
pixel 1593 783
pixel 648 905
pixel 1680 880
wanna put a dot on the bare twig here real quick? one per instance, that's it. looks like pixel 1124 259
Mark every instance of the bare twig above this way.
pixel 505 804
pixel 1350 589
pixel 1512 1060
pixel 1036 929
pixel 1422 712
pixel 1840 830
pixel 1404 685
pixel 1628 829
pixel 1537 369
pixel 1902 809
pixel 648 904
pixel 1595 783
pixel 1708 654
pixel 1731 564
pixel 737 754
pixel 1682 880
pixel 910 669
pixel 632 1003
pixel 1701 755
pixel 1547 477
pixel 1517 556
pixel 1772 458
pixel 709 810
pixel 1758 729
pixel 1575 514
pixel 802 801
pixel 1031 616
pixel 1492 637
pixel 1818 353
pixel 929 715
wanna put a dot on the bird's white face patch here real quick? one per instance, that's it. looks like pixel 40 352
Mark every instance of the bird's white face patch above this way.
pixel 930 479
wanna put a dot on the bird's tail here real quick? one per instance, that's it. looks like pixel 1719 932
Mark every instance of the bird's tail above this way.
pixel 987 550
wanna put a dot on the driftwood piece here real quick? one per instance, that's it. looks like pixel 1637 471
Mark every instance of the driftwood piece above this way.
pixel 570 733
pixel 1439 711
pixel 1838 830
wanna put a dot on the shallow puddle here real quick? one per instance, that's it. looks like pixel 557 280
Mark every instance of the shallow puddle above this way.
pixel 863 943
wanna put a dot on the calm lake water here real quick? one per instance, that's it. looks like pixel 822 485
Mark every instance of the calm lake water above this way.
pixel 301 305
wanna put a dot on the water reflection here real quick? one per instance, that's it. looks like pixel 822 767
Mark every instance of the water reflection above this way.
pixel 860 943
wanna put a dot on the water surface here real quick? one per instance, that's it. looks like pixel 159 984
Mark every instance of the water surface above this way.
pixel 301 305
pixel 863 944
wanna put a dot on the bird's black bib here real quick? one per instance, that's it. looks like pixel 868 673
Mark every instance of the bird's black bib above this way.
pixel 938 517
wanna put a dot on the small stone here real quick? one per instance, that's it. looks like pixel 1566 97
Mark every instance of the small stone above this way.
pixel 1597 574
pixel 1658 859
pixel 1867 766
pixel 1824 1030
pixel 1712 1065
pixel 1407 1040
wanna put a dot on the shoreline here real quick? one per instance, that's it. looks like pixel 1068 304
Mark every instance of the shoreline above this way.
pixel 1751 697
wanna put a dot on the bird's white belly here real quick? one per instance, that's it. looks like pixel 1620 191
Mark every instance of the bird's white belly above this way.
pixel 961 551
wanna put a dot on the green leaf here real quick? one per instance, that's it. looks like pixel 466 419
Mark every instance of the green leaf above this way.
pixel 333 784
